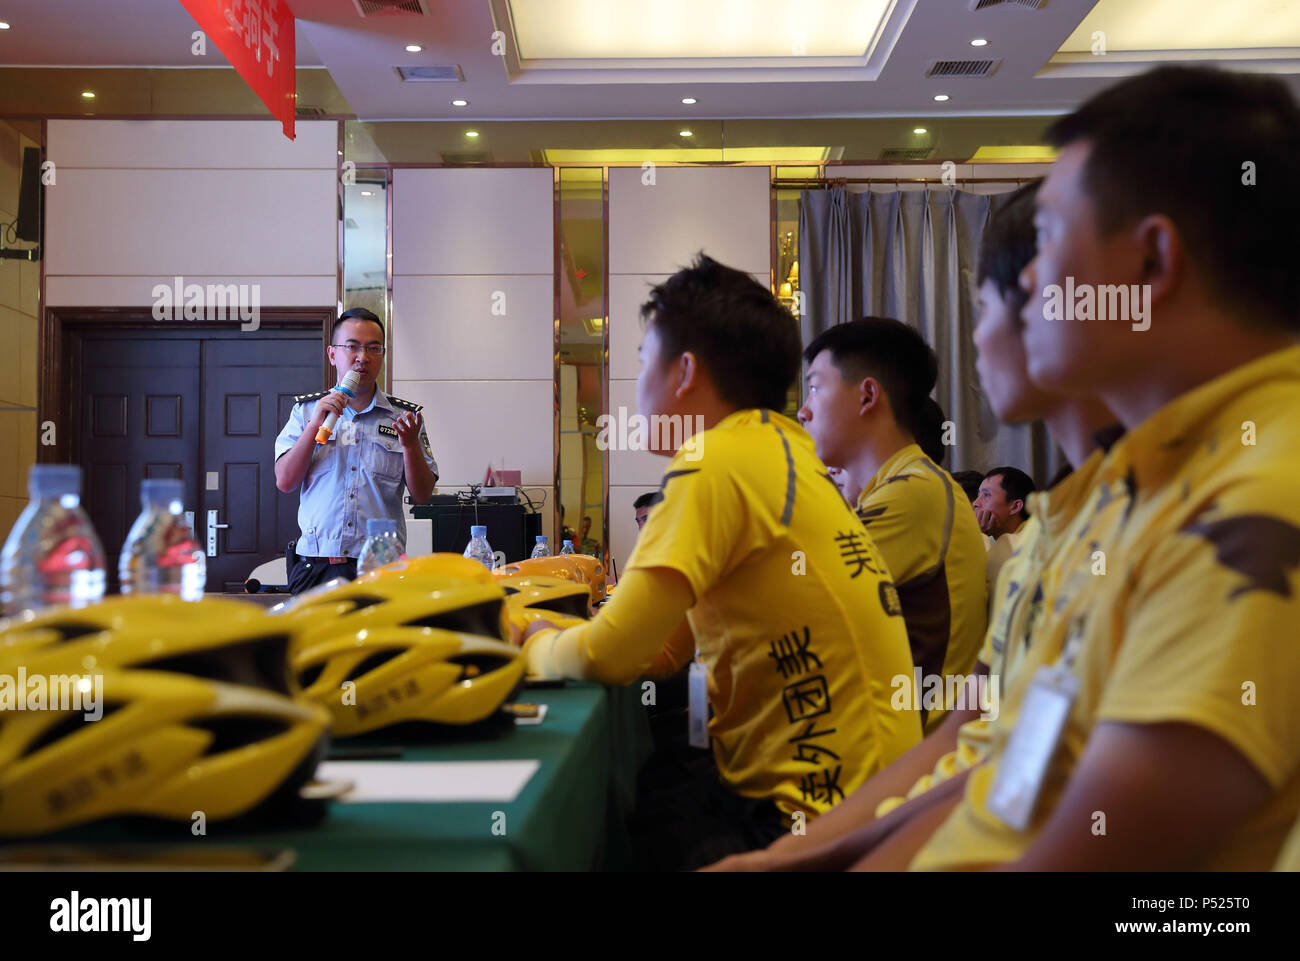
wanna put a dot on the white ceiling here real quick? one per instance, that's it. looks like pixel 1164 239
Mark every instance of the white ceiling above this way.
pixel 361 54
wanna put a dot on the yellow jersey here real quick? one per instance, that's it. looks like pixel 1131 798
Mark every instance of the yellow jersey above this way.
pixel 1185 607
pixel 1026 584
pixel 795 615
pixel 923 525
pixel 1290 859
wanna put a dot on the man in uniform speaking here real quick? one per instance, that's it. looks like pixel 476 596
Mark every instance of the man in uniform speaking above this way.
pixel 378 444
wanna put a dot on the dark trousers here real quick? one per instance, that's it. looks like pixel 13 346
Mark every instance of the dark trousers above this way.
pixel 308 572
pixel 685 818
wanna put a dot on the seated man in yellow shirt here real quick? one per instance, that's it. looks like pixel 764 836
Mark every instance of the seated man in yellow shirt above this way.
pixel 868 402
pixel 1027 585
pixel 1173 671
pixel 751 562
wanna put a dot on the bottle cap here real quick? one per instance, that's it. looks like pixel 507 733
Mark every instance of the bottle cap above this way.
pixel 54 480
pixel 541 538
pixel 380 525
pixel 161 490
pixel 478 530
pixel 568 543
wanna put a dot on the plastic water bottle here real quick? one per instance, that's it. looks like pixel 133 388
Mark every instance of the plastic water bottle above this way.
pixel 161 555
pixel 478 548
pixel 381 546
pixel 543 548
pixel 52 555
pixel 567 548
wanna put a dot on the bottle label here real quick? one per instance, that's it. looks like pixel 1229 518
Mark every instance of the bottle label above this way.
pixel 85 587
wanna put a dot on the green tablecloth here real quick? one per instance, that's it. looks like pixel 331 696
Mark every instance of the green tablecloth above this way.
pixel 569 817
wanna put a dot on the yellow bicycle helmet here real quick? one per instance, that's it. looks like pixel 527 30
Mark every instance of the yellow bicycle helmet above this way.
pixel 408 647
pixel 193 718
pixel 539 592
pixel 453 566
pixel 582 568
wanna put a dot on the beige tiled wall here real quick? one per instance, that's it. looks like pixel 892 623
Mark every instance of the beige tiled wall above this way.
pixel 19 309
pixel 473 320
pixel 653 230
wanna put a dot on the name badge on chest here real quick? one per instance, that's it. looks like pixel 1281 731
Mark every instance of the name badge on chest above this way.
pixel 1033 741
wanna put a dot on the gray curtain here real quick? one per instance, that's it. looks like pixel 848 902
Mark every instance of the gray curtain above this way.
pixel 912 255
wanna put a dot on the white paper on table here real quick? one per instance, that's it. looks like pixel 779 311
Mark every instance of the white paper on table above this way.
pixel 429 781
pixel 541 716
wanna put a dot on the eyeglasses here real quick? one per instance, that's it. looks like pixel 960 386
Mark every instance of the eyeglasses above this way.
pixel 374 350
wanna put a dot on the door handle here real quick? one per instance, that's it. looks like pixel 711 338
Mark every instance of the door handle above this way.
pixel 213 527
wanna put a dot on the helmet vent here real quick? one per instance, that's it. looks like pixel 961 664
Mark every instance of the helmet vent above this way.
pixel 475 665
pixel 73 630
pixel 261 662
pixel 482 619
pixel 70 725
pixel 373 661
pixel 308 677
pixel 232 732
pixel 575 605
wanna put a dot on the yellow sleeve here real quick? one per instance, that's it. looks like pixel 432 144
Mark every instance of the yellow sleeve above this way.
pixel 676 653
pixel 625 639
pixel 1211 636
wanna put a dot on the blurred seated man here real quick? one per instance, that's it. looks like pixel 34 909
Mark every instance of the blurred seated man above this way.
pixel 752 564
pixel 1000 510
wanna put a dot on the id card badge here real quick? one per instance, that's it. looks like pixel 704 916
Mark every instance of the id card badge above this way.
pixel 1030 747
pixel 697 693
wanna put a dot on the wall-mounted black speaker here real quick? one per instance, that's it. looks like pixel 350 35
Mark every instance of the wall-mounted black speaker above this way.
pixel 29 197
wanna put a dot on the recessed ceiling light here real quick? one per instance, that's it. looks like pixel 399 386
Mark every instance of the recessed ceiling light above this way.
pixel 941 97
pixel 979 42
pixel 918 130
pixel 3 25
pixel 460 103
pixel 688 100
pixel 471 133
pixel 413 48
pixel 687 133
pixel 88 94
pixel 367 193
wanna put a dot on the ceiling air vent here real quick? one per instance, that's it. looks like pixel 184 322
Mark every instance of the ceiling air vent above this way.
pixel 963 68
pixel 410 8
pixel 442 73
pixel 985 4
pixel 309 111
pixel 897 154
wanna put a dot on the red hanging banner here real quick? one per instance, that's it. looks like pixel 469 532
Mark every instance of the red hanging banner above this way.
pixel 257 37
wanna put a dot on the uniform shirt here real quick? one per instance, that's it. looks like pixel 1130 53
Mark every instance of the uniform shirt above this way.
pixel 1026 585
pixel 999 552
pixel 355 476
pixel 794 614
pixel 1194 619
pixel 921 522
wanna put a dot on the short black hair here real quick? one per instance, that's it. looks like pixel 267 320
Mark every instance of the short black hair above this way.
pixel 355 313
pixel 1015 483
pixel 906 366
pixel 969 481
pixel 746 341
pixel 644 500
pixel 1176 141
pixel 1008 244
